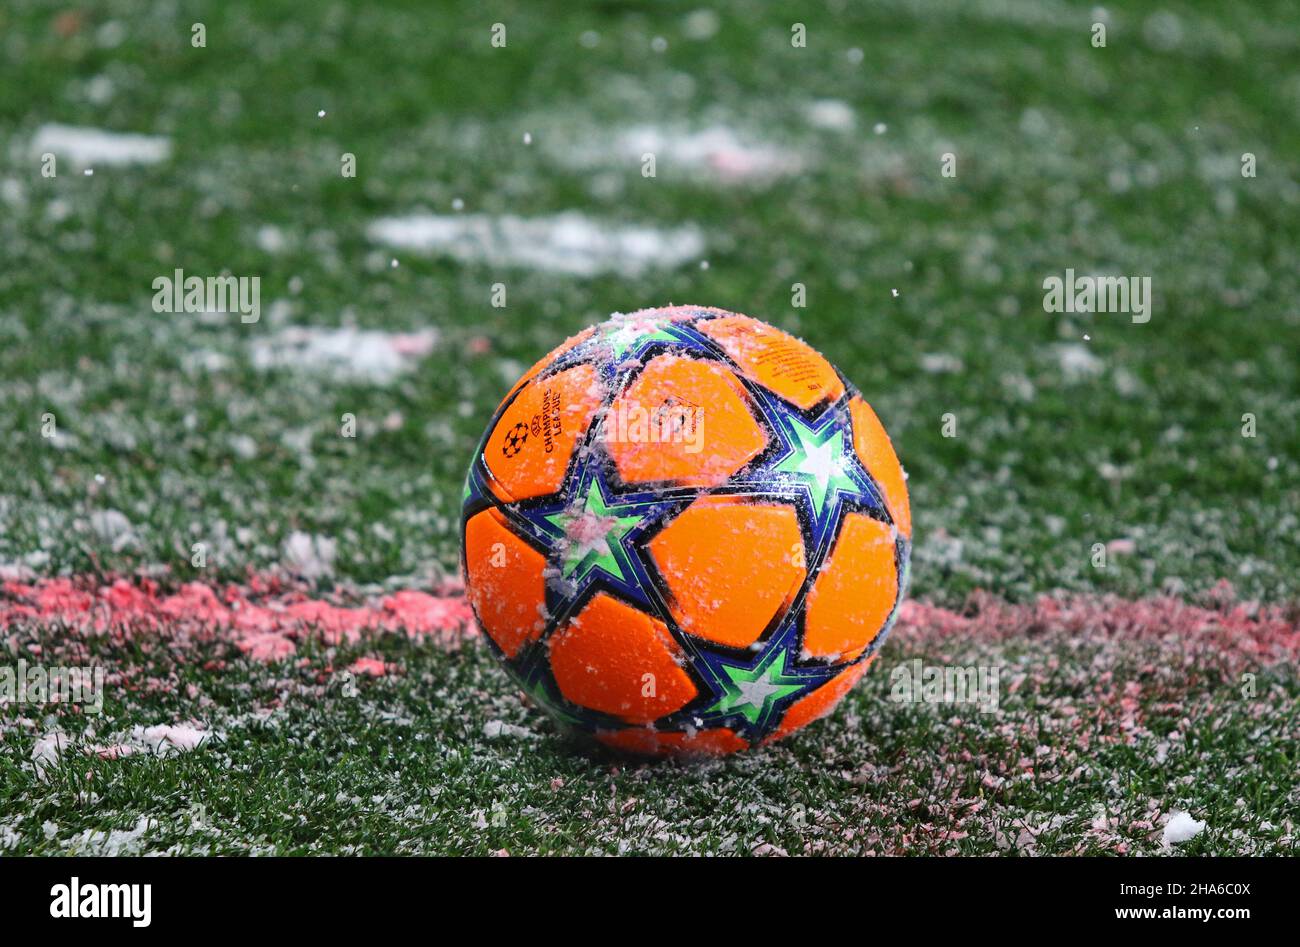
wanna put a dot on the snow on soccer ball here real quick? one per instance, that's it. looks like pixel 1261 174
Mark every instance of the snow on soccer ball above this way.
pixel 685 532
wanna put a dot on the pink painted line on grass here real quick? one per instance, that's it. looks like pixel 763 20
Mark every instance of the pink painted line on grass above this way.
pixel 1258 633
pixel 269 616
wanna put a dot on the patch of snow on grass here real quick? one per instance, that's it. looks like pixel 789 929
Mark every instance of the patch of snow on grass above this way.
pixel 1181 827
pixel 48 749
pixel 365 354
pixel 495 729
pixel 9 835
pixel 165 739
pixel 112 843
pixel 717 151
pixel 565 243
pixel 311 557
pixel 831 114
pixel 1077 362
pixel 112 527
pixel 85 147
pixel 939 363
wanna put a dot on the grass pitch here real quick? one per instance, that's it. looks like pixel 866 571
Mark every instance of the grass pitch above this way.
pixel 819 166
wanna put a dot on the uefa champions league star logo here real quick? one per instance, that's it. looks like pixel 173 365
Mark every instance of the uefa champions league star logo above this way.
pixel 515 440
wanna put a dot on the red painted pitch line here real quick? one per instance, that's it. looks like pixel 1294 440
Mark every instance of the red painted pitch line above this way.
pixel 1248 632
pixel 268 617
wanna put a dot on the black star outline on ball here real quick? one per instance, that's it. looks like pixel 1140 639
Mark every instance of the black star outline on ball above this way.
pixel 591 537
pixel 813 463
pixel 749 691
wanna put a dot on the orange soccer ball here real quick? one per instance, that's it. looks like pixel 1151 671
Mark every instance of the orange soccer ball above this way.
pixel 685 532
